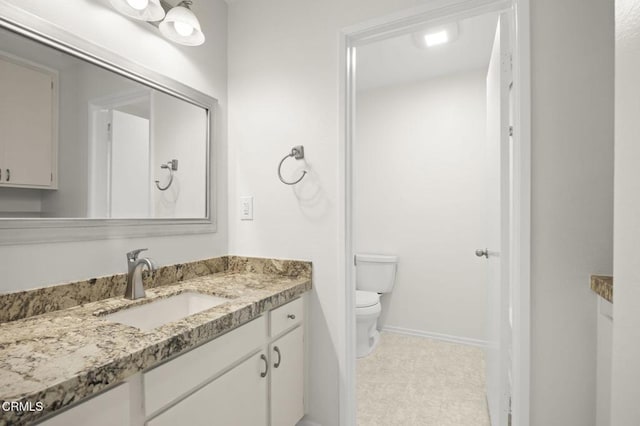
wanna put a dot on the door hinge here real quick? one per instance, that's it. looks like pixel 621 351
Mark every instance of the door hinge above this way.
pixel 51 177
pixel 510 130
pixel 52 85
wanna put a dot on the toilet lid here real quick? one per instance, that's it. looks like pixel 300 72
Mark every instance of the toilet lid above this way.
pixel 366 298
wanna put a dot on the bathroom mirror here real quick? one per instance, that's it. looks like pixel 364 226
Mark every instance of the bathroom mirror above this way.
pixel 95 146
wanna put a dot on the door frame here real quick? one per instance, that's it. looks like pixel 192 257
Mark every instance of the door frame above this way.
pixel 95 107
pixel 405 22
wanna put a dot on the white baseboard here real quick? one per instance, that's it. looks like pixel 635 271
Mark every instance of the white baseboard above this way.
pixel 436 336
pixel 305 422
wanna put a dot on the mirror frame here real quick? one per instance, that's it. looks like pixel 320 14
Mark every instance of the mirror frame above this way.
pixel 35 230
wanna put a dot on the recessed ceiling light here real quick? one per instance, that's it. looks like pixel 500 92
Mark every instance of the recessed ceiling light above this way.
pixel 436 35
pixel 434 39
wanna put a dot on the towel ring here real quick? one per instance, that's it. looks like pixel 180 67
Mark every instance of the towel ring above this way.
pixel 298 153
pixel 171 165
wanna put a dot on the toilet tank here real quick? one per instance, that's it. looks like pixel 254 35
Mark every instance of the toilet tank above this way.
pixel 375 272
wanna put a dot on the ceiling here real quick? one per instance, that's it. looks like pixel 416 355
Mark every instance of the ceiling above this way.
pixel 400 60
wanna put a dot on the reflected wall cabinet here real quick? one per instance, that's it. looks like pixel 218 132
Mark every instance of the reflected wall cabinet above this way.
pixel 28 124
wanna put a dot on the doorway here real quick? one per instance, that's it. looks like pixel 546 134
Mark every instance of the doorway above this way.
pixel 509 378
pixel 120 150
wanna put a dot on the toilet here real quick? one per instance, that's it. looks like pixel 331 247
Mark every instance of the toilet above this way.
pixel 375 275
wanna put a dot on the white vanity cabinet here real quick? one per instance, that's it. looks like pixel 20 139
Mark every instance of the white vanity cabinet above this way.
pixel 113 407
pixel 28 124
pixel 287 364
pixel 238 397
pixel 226 375
pixel 251 376
pixel 287 379
pixel 604 357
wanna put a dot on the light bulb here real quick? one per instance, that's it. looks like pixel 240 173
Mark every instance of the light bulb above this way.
pixel 185 30
pixel 435 39
pixel 138 4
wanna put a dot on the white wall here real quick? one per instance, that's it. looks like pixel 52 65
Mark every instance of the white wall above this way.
pixel 283 91
pixel 284 84
pixel 420 193
pixel 21 201
pixel 178 129
pixel 625 409
pixel 204 68
pixel 571 213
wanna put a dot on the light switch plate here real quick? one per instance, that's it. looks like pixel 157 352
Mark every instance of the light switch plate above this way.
pixel 246 208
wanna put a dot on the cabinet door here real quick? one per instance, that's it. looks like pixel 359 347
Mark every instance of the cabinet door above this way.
pixel 287 379
pixel 26 125
pixel 238 398
pixel 107 409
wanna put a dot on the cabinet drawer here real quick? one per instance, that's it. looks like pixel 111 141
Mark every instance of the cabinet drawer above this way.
pixel 178 377
pixel 286 316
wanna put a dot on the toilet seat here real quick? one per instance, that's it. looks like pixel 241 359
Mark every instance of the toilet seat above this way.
pixel 365 299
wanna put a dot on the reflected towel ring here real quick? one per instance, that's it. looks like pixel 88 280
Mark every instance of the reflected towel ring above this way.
pixel 171 165
pixel 298 153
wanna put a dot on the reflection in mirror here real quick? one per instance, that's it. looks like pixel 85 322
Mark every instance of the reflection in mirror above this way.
pixel 80 141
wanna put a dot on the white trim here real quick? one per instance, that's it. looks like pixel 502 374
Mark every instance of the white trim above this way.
pixel 347 362
pixel 436 336
pixel 305 422
pixel 396 24
pixel 521 235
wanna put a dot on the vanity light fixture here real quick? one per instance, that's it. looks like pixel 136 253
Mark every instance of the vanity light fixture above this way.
pixel 182 26
pixel 143 10
pixel 178 23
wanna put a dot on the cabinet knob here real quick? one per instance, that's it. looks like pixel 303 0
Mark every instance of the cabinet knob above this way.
pixel 277 350
pixel 291 316
pixel 263 357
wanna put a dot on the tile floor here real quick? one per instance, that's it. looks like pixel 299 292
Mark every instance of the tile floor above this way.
pixel 415 381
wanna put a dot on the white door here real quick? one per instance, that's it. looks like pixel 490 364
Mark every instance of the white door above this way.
pixel 129 183
pixel 499 329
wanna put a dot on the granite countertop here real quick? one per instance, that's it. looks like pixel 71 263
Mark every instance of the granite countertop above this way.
pixel 61 357
pixel 602 285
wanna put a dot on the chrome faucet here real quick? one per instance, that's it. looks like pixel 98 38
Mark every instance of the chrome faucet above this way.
pixel 135 288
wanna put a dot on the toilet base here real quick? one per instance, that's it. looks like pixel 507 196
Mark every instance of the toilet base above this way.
pixel 367 347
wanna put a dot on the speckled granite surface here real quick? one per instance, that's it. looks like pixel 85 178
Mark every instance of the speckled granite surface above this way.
pixel 23 304
pixel 603 286
pixel 63 356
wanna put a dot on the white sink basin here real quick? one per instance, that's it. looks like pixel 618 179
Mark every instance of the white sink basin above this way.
pixel 164 311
